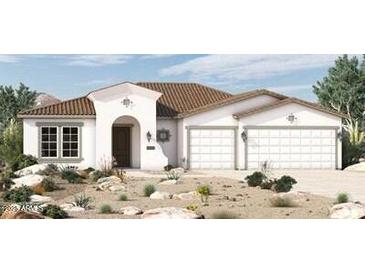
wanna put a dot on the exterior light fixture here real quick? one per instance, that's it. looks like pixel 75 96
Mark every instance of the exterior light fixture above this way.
pixel 126 102
pixel 291 118
pixel 149 136
pixel 244 136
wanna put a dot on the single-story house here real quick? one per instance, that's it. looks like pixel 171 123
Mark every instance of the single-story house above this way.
pixel 148 125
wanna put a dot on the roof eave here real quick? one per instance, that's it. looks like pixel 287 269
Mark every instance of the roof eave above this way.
pixel 29 116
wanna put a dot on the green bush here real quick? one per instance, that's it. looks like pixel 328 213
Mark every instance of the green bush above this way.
pixel 342 198
pixel 23 161
pixel 6 180
pixel 204 192
pixel 284 184
pixel 255 179
pixel 83 201
pixel 148 190
pixel 224 215
pixel 96 175
pixel 11 143
pixel 278 201
pixel 123 197
pixel 49 185
pixel 173 175
pixel 351 152
pixel 54 212
pixel 105 209
pixel 18 195
pixel 71 176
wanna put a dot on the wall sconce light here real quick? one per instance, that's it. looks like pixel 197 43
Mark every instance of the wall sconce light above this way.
pixel 244 136
pixel 291 118
pixel 149 136
pixel 126 102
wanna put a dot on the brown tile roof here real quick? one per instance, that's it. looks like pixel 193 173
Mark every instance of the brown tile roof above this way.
pixel 285 102
pixel 180 98
pixel 75 107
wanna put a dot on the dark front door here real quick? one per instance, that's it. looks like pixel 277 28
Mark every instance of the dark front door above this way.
pixel 121 146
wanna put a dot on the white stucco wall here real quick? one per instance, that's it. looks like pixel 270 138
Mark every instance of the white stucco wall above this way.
pixel 108 106
pixel 221 116
pixel 31 138
pixel 169 148
pixel 306 117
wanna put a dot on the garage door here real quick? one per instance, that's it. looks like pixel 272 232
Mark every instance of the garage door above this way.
pixel 292 148
pixel 212 148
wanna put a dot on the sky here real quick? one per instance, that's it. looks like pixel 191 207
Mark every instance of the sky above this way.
pixel 69 76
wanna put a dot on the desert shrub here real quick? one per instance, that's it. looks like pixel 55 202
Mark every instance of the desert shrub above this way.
pixel 83 201
pixel 123 197
pixel 54 212
pixel 18 195
pixel 278 201
pixel 23 161
pixel 50 170
pixel 71 175
pixel 284 184
pixel 192 207
pixel 121 174
pixel 105 209
pixel 148 190
pixel 6 180
pixel 106 167
pixel 49 184
pixel 255 179
pixel 11 143
pixel 38 189
pixel 168 167
pixel 224 215
pixel 342 198
pixel 204 192
pixel 96 175
pixel 173 175
pixel 268 184
pixel 351 152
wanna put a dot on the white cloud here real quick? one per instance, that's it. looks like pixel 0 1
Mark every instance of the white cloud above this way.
pixel 9 58
pixel 247 67
pixel 95 60
pixel 291 88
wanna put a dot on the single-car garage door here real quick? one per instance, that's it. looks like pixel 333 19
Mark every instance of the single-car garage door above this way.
pixel 292 148
pixel 212 148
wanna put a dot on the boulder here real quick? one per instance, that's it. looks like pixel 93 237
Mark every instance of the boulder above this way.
pixel 157 195
pixel 295 196
pixel 348 211
pixel 356 167
pixel 82 173
pixel 107 182
pixel 169 182
pixel 31 170
pixel 11 214
pixel 40 199
pixel 170 213
pixel 115 188
pixel 28 180
pixel 130 210
pixel 72 207
pixel 186 195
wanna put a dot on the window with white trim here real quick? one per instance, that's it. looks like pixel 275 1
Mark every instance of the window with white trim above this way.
pixel 70 142
pixel 49 142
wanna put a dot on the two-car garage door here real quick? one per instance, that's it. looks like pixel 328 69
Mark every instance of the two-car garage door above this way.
pixel 298 148
pixel 311 148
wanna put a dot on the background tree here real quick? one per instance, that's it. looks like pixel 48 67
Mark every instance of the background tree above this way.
pixel 12 101
pixel 11 143
pixel 343 89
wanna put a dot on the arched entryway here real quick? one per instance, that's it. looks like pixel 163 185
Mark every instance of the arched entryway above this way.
pixel 126 148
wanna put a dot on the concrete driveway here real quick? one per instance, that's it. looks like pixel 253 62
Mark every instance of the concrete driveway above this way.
pixel 322 182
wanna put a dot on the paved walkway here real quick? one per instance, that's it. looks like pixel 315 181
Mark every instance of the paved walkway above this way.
pixel 322 182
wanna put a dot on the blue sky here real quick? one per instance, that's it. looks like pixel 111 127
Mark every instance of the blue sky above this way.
pixel 68 76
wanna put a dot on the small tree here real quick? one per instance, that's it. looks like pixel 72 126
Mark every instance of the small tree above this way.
pixel 11 143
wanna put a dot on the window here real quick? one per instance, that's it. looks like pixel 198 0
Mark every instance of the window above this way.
pixel 70 142
pixel 163 135
pixel 49 142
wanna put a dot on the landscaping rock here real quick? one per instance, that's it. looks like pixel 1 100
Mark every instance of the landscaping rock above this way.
pixel 295 196
pixel 168 182
pixel 82 173
pixel 170 213
pixel 40 199
pixel 186 196
pixel 117 188
pixel 157 195
pixel 356 167
pixel 348 211
pixel 28 180
pixel 11 214
pixel 31 170
pixel 71 207
pixel 130 210
pixel 107 182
